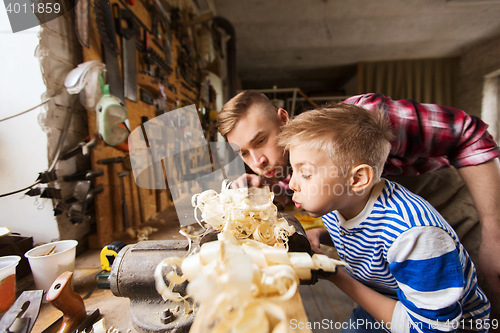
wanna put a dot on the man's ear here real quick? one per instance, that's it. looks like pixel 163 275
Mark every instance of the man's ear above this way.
pixel 283 117
pixel 361 177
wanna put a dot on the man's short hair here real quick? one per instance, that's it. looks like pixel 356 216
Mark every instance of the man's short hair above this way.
pixel 350 135
pixel 237 106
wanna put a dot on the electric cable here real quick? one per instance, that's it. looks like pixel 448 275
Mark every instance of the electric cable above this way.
pixel 23 189
pixel 33 108
pixel 62 138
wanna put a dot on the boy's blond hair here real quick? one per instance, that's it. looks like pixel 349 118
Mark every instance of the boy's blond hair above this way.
pixel 350 135
pixel 237 106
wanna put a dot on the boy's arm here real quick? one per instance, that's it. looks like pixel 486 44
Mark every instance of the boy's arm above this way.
pixel 427 265
pixel 379 306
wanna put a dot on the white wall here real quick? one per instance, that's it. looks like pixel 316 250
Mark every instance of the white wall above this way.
pixel 23 144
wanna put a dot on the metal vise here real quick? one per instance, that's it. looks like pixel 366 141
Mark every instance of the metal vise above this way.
pixel 132 276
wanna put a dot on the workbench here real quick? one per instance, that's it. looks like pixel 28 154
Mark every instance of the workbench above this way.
pixel 313 304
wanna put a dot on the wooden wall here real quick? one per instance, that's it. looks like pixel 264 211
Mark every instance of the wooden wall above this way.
pixel 143 204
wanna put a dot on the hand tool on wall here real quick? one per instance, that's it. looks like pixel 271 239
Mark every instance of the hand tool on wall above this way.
pixel 77 214
pixel 83 147
pixel 129 59
pixel 88 175
pixel 75 317
pixel 21 316
pixel 126 217
pixel 82 22
pixel 126 164
pixel 105 25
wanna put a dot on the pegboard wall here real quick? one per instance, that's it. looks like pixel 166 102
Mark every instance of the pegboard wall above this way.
pixel 168 76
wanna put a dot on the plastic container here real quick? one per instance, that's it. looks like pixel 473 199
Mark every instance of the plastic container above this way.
pixel 47 268
pixel 8 281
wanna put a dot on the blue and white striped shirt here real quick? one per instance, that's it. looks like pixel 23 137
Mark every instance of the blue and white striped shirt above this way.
pixel 400 246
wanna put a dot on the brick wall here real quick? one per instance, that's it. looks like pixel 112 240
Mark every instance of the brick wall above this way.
pixel 475 62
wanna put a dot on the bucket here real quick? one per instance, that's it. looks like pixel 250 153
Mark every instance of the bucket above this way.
pixel 47 268
pixel 8 281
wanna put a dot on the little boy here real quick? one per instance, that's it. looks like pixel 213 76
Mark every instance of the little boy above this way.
pixel 411 273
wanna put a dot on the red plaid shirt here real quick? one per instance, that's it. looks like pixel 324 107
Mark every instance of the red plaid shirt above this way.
pixel 429 137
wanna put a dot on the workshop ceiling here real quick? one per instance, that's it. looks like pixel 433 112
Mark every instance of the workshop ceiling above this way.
pixel 316 44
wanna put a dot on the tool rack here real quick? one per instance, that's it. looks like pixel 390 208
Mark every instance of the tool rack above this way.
pixel 143 204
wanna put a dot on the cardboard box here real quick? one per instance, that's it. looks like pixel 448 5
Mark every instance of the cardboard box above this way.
pixel 17 246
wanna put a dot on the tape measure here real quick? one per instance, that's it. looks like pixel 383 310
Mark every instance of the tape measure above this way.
pixel 109 253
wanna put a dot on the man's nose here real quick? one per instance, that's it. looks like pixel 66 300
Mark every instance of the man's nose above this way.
pixel 259 160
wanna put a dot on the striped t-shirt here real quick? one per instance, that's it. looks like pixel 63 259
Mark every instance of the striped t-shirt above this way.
pixel 400 246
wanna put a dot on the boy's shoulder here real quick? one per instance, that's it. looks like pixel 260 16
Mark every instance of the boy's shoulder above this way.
pixel 411 208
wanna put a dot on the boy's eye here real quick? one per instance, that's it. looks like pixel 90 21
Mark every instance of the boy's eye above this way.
pixel 306 176
pixel 243 154
pixel 260 141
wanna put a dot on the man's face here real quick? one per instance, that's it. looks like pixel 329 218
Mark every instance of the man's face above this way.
pixel 255 135
pixel 319 185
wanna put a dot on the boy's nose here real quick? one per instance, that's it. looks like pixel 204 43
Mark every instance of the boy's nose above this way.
pixel 294 186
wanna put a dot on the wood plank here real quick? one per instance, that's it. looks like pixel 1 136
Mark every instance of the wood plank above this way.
pixel 293 309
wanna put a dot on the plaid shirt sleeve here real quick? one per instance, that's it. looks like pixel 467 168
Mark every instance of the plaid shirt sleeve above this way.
pixel 429 137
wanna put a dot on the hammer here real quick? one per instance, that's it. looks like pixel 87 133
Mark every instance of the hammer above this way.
pixel 126 218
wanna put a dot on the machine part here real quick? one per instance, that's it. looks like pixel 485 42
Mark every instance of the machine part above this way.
pixel 132 276
pixel 102 280
pixel 61 296
pixel 22 314
pixel 109 253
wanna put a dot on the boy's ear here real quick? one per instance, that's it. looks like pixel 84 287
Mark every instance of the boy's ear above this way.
pixel 361 177
pixel 283 117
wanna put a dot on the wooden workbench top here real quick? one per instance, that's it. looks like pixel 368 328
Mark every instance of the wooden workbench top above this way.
pixel 322 301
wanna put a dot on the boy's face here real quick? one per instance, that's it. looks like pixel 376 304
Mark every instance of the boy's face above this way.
pixel 255 135
pixel 319 185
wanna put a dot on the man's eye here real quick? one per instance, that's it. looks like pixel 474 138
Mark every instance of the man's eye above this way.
pixel 261 141
pixel 306 176
pixel 243 154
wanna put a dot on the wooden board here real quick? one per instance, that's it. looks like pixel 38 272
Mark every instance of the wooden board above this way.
pixel 143 204
pixel 293 309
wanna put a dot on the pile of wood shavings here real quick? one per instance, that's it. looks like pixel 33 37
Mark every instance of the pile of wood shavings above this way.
pixel 243 275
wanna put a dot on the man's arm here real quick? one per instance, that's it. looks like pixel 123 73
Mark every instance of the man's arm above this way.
pixel 318 236
pixel 483 182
